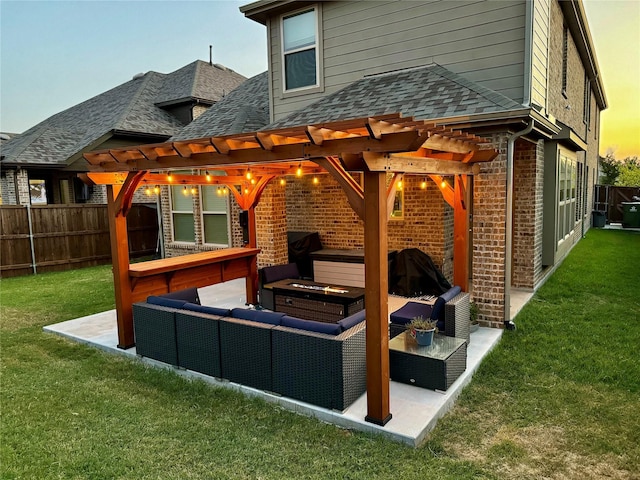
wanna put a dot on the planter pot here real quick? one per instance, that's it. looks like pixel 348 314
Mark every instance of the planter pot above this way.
pixel 422 337
pixel 474 327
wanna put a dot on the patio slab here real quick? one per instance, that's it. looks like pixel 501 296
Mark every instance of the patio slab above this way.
pixel 415 410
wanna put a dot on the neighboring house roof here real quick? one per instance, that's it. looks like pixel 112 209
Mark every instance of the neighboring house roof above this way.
pixel 245 109
pixel 130 108
pixel 428 92
pixel 198 81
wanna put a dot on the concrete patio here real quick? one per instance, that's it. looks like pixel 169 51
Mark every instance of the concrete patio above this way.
pixel 415 410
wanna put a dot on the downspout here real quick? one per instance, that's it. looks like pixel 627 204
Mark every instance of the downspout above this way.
pixel 508 324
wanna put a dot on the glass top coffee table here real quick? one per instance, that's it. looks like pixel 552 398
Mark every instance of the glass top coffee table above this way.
pixel 435 367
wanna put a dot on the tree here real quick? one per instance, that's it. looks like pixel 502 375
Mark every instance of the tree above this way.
pixel 610 168
pixel 629 173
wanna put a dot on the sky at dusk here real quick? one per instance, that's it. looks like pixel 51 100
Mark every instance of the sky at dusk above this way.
pixel 56 54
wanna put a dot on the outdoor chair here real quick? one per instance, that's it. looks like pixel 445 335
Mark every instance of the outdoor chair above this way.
pixel 268 275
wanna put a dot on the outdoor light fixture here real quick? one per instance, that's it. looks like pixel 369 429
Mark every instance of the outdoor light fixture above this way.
pixel 299 170
pixel 193 190
pixel 147 191
pixel 423 185
pixel 283 181
pixel 169 177
pixel 156 189
pixel 185 191
pixel 315 180
pixel 207 175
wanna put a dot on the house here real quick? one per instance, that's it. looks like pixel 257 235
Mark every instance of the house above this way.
pixel 40 166
pixel 521 74
pixel 477 122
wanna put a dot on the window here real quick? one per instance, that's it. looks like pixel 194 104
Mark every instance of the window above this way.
pixel 38 192
pixel 214 215
pixel 565 47
pixel 567 184
pixel 586 118
pixel 300 50
pixel 182 214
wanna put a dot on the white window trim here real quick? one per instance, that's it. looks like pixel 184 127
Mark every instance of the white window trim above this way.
pixel 567 202
pixel 227 213
pixel 173 231
pixel 319 86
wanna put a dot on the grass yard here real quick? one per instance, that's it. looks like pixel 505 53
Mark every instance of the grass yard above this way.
pixel 559 398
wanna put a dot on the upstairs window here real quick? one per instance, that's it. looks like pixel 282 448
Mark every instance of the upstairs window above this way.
pixel 300 50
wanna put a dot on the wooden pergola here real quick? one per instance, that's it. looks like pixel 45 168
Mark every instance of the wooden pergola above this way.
pixel 375 146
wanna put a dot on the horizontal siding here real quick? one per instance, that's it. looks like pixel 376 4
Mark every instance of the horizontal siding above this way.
pixel 540 62
pixel 483 41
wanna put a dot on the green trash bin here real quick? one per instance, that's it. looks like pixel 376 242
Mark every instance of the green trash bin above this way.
pixel 631 214
pixel 598 219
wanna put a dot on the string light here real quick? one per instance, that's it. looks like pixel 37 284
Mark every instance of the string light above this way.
pixel 169 178
pixel 423 185
pixel 156 189
pixel 315 180
pixel 248 175
pixel 443 184
pixel 283 181
pixel 400 185
pixel 246 191
pixel 185 191
pixel 147 191
pixel 207 175
pixel 299 170
pixel 219 191
pixel 253 181
pixel 193 190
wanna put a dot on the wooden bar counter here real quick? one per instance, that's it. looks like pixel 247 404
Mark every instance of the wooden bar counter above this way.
pixel 195 270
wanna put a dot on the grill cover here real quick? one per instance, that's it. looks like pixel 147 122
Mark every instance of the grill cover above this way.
pixel 414 274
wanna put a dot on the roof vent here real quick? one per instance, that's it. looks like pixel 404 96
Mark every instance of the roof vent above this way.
pixel 221 67
pixel 137 76
pixel 4 136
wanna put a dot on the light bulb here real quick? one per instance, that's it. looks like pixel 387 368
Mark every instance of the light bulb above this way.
pixel 299 171
pixel 315 180
pixel 207 175
pixel 156 189
pixel 283 181
pixel 147 191
pixel 185 191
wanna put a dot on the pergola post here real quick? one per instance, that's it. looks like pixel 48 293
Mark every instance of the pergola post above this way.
pixel 461 232
pixel 120 261
pixel 376 292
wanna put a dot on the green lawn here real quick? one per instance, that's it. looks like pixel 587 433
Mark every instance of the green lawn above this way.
pixel 558 398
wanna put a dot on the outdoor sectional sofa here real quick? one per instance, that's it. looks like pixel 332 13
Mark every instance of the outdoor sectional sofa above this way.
pixel 320 363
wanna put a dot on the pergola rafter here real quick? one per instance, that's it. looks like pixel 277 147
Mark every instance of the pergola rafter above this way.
pixel 374 146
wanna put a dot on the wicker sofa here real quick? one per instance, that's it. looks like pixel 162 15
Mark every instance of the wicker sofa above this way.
pixel 319 363
pixel 451 310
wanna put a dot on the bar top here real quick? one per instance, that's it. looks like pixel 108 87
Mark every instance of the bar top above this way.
pixel 170 264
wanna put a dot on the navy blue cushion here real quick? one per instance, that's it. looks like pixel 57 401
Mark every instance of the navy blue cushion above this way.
pixel 411 310
pixel 438 308
pixel 272 318
pixel 311 326
pixel 221 312
pixel 165 302
pixel 188 295
pixel 352 320
pixel 280 272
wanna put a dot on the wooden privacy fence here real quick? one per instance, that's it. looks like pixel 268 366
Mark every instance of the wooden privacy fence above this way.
pixel 38 239
pixel 609 198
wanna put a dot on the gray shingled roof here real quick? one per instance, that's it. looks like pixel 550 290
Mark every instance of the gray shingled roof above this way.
pixel 245 109
pixel 425 92
pixel 130 107
pixel 199 80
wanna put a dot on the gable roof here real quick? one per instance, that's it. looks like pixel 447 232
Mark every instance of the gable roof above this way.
pixel 131 108
pixel 245 109
pixel 427 92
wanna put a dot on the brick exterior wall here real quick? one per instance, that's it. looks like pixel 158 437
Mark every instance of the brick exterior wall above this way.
pixel 8 187
pixel 271 225
pixel 22 179
pixel 489 205
pixel 527 213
